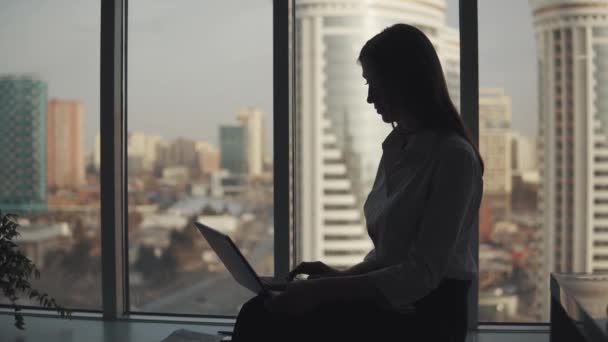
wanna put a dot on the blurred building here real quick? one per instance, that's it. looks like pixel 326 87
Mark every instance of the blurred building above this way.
pixel 525 174
pixel 208 158
pixel 485 222
pixel 226 184
pixel 338 141
pixel 65 155
pixel 180 152
pixel 572 48
pixel 495 148
pixel 37 240
pixel 233 149
pixel 23 132
pixel 497 306
pixel 142 151
pixel 155 229
pixel 175 175
pixel 524 153
pixel 97 152
pixel 252 120
pixel 225 223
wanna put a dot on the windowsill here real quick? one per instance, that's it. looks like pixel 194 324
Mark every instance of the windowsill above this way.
pixel 511 327
pixel 45 326
pixel 48 327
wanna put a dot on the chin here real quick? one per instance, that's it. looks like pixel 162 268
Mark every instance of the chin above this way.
pixel 386 118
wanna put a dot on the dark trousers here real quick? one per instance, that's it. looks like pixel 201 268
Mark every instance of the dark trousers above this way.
pixel 439 316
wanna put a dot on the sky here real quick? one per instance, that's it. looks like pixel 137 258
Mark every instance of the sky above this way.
pixel 183 81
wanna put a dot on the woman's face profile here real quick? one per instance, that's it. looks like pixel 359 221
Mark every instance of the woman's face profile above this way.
pixel 378 95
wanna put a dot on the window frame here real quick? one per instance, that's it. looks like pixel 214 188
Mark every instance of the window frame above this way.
pixel 113 170
pixel 469 104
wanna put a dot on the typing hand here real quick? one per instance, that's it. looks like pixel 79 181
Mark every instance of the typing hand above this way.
pixel 315 270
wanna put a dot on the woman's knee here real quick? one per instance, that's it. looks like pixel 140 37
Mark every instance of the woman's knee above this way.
pixel 254 306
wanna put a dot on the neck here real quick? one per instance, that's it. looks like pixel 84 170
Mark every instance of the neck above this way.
pixel 408 128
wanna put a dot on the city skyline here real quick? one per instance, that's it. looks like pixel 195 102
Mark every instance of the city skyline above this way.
pixel 75 75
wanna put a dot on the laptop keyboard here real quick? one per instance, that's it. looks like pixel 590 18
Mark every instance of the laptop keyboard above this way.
pixel 274 283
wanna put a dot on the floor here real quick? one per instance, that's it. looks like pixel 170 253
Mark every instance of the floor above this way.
pixel 55 330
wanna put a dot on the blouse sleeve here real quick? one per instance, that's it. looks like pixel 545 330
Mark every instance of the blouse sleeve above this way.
pixel 450 203
pixel 371 256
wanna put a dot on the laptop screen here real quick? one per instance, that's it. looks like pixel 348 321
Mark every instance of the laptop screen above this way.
pixel 232 258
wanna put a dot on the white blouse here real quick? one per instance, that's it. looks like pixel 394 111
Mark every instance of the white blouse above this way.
pixel 421 214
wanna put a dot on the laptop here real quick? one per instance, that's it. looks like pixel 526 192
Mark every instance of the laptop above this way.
pixel 238 266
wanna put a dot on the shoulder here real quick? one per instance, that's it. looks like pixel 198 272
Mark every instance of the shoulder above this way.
pixel 454 149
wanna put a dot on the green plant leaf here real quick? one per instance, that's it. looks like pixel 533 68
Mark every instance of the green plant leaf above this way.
pixel 16 269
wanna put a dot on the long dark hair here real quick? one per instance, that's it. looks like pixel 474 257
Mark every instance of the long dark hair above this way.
pixel 405 60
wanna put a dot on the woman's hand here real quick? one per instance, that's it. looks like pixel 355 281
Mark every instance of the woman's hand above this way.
pixel 300 297
pixel 316 269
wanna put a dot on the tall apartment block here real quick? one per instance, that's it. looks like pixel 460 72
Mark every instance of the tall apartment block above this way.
pixel 495 141
pixel 572 47
pixel 65 155
pixel 252 120
pixel 23 111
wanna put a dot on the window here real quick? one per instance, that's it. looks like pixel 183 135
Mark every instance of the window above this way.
pixel 49 124
pixel 509 214
pixel 202 103
pixel 200 118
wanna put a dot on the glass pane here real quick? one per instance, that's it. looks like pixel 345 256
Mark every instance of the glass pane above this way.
pixel 338 134
pixel 49 116
pixel 512 282
pixel 199 149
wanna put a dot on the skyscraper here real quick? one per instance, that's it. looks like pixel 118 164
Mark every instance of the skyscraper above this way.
pixel 572 45
pixel 65 156
pixel 335 230
pixel 524 154
pixel 142 148
pixel 233 149
pixel 23 104
pixel 252 120
pixel 208 158
pixel 495 148
pixel 336 128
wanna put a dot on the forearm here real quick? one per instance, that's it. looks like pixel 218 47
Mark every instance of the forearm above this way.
pixel 361 268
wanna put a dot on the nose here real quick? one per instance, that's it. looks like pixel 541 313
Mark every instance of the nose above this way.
pixel 370 99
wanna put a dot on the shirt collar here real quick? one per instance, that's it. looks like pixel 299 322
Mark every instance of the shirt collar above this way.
pixel 398 139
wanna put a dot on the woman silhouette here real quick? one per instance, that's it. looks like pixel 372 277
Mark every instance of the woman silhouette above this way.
pixel 420 215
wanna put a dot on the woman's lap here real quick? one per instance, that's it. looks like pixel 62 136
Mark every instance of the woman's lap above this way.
pixel 349 322
pixel 440 316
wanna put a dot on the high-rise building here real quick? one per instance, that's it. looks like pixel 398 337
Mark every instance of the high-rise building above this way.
pixel 524 153
pixel 180 152
pixel 208 158
pixel 572 47
pixel 65 155
pixel 233 149
pixel 495 148
pixel 335 232
pixel 336 128
pixel 143 150
pixel 253 121
pixel 23 103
